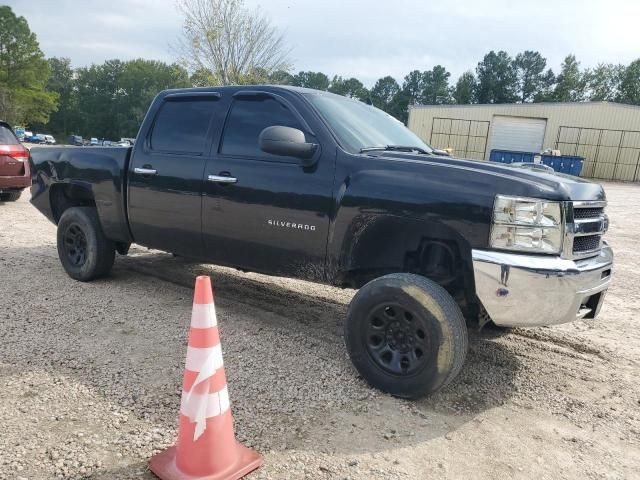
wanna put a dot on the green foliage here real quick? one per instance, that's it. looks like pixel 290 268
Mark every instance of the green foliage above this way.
pixel 413 87
pixel 384 94
pixel 23 73
pixel 463 93
pixel 61 82
pixel 603 82
pixel 436 86
pixel 281 77
pixel 109 100
pixel 630 84
pixel 316 80
pixel 497 79
pixel 350 87
pixel 571 82
pixel 430 87
pixel 202 78
pixel 533 81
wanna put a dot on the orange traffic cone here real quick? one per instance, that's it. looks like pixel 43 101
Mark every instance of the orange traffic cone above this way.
pixel 206 447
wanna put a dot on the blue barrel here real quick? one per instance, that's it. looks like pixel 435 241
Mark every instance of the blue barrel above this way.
pixel 509 156
pixel 563 165
pixel 550 161
pixel 576 169
pixel 569 164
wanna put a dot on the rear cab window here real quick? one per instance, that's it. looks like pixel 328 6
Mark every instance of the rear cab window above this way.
pixel 181 125
pixel 246 120
pixel 7 136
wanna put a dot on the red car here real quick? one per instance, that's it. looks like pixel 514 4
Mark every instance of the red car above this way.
pixel 14 165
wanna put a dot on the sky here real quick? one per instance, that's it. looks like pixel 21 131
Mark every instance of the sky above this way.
pixel 356 38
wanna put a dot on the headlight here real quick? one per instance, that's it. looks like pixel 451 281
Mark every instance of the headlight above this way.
pixel 527 225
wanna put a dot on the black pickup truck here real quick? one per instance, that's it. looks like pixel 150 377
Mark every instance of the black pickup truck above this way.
pixel 307 184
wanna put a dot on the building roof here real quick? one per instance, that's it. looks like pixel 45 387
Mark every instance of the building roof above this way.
pixel 525 105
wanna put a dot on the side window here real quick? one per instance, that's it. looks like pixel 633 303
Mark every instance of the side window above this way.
pixel 181 125
pixel 248 117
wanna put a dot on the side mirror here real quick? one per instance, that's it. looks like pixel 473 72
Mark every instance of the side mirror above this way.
pixel 288 142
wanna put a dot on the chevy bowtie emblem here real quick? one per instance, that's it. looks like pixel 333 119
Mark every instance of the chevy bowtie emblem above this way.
pixel 294 225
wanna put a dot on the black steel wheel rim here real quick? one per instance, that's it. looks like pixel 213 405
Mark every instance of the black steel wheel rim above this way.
pixel 75 245
pixel 397 339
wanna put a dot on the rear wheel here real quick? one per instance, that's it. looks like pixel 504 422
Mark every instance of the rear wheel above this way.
pixel 84 251
pixel 10 196
pixel 406 335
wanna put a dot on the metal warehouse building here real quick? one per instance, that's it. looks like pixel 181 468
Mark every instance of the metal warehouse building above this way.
pixel 606 134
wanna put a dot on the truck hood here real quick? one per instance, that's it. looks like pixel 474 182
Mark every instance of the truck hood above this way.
pixel 552 186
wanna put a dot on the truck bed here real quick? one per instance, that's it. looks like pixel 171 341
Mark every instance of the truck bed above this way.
pixel 99 171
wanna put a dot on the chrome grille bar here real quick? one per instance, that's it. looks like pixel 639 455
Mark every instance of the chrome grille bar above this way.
pixel 586 223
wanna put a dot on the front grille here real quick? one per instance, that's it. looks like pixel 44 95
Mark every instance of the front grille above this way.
pixel 582 213
pixel 589 225
pixel 586 244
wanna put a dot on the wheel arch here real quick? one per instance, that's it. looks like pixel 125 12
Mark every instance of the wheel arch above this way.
pixel 378 245
pixel 63 196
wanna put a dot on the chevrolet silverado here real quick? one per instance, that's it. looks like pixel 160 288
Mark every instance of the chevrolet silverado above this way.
pixel 307 184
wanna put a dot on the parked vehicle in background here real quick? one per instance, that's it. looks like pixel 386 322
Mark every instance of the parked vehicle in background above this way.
pixel 49 140
pixel 15 174
pixel 130 141
pixel 94 142
pixel 19 131
pixel 307 184
pixel 123 144
pixel 75 140
pixel 33 139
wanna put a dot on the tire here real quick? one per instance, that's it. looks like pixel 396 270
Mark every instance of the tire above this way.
pixel 84 251
pixel 10 196
pixel 406 335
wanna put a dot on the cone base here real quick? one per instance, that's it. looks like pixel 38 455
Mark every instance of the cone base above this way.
pixel 164 466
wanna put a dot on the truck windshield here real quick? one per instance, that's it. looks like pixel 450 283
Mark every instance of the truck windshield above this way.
pixel 361 127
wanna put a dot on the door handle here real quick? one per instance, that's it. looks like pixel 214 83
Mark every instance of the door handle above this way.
pixel 145 171
pixel 222 179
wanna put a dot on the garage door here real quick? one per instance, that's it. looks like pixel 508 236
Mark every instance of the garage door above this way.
pixel 520 134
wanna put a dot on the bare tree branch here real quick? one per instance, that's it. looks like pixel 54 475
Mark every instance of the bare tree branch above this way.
pixel 233 44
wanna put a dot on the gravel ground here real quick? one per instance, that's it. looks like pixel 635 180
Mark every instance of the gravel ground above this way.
pixel 90 375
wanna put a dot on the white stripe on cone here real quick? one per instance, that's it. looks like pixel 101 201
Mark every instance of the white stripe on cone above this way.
pixel 216 404
pixel 199 407
pixel 199 359
pixel 203 316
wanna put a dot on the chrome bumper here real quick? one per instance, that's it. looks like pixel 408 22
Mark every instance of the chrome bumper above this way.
pixel 519 290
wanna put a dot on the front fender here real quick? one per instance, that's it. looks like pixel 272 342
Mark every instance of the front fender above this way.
pixel 370 233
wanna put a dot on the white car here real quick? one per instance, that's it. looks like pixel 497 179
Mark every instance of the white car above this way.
pixel 49 140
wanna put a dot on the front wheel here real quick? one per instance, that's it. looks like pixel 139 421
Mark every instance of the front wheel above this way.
pixel 406 335
pixel 84 251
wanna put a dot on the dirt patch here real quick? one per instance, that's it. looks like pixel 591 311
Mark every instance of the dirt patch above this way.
pixel 90 375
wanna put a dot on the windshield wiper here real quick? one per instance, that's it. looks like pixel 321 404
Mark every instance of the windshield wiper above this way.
pixel 396 148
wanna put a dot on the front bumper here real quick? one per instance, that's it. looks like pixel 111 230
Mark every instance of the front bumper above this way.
pixel 519 290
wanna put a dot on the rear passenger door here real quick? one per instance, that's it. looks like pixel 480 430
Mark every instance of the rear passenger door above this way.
pixel 165 175
pixel 273 216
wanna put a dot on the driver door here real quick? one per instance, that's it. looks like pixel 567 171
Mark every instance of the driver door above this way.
pixel 263 212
